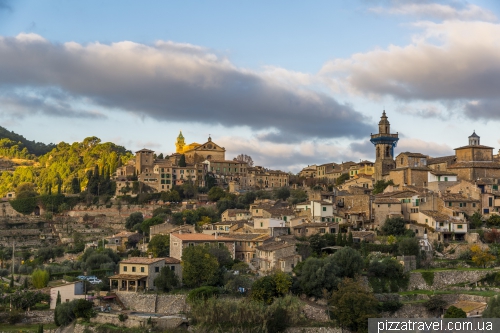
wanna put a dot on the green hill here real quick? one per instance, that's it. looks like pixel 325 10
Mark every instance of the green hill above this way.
pixel 33 147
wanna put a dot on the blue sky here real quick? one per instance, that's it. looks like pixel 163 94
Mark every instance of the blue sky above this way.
pixel 290 83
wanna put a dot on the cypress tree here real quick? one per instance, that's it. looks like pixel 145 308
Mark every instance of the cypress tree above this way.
pixel 58 300
pixel 40 328
pixel 339 239
pixel 11 284
pixel 350 240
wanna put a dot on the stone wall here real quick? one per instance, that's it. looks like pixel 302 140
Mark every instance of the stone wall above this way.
pixel 443 279
pixel 316 330
pixel 166 304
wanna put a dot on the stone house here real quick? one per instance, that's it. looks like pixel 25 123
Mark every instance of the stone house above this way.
pixel 471 309
pixel 136 274
pixel 123 240
pixel 236 215
pixel 384 208
pixel 309 229
pixel 441 226
pixel 277 255
pixel 246 244
pixel 178 242
pixel 68 291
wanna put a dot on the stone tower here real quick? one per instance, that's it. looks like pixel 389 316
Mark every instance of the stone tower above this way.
pixel 384 143
pixel 474 139
pixel 144 161
pixel 179 145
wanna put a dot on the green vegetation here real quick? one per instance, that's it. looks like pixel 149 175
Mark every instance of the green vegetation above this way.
pixel 35 148
pixel 381 185
pixel 394 226
pixel 65 313
pixel 40 278
pixel 167 280
pixel 428 277
pixel 454 312
pixel 493 308
pixel 267 288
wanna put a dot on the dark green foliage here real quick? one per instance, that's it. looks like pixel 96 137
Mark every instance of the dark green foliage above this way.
pixel 349 262
pixel 341 180
pixel 25 299
pixel 380 186
pixel 182 161
pixel 282 193
pixel 493 308
pixel 122 317
pixel 267 288
pixel 389 306
pixel 387 275
pixel 436 305
pixel 58 300
pixel 40 329
pixel 319 241
pixel 46 253
pixel 409 246
pixel 199 267
pixel 394 226
pixel 317 274
pixel 493 220
pixel 454 312
pixel 352 305
pixel 24 206
pixel 133 219
pixel 210 180
pixel 167 280
pixel 476 220
pixel 428 277
pixel 216 193
pixel 65 313
pixel 203 293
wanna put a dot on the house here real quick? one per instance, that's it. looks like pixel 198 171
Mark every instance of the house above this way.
pixel 69 291
pixel 235 215
pixel 471 309
pixel 384 208
pixel 246 244
pixel 309 229
pixel 137 274
pixel 363 236
pixel 320 211
pixel 178 242
pixel 123 240
pixel 277 255
pixel 446 227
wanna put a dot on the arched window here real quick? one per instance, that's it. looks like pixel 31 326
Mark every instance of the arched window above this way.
pixel 378 151
pixel 387 152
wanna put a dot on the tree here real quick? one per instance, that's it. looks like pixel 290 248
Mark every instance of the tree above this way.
pixel 75 185
pixel 381 185
pixel 348 261
pixel 40 278
pixel 494 220
pixel 454 312
pixel 216 193
pixel 159 245
pixel 317 274
pixel 267 288
pixel 493 308
pixel 476 220
pixel 409 246
pixel 283 193
pixel 133 219
pixel 352 305
pixel 182 161
pixel 200 268
pixel 58 299
pixel 342 178
pixel 160 157
pixel 436 305
pixel 40 329
pixel 245 158
pixel 167 280
pixel 481 257
pixel 394 226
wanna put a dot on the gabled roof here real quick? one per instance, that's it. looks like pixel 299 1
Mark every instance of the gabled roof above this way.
pixel 474 146
pixel 141 260
pixel 199 237
pixel 442 159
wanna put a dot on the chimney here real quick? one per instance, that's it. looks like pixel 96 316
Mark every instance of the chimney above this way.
pixel 150 256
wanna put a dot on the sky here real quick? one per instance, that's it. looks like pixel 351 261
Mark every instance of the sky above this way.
pixel 290 83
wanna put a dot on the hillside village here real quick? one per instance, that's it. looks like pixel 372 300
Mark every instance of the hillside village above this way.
pixel 159 242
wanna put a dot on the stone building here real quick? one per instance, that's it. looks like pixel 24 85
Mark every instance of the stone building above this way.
pixel 384 208
pixel 246 244
pixel 278 254
pixel 68 291
pixel 384 143
pixel 178 242
pixel 137 274
pixel 313 228
pixel 411 169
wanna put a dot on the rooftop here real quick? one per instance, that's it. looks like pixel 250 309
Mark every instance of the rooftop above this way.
pixel 199 237
pixel 141 260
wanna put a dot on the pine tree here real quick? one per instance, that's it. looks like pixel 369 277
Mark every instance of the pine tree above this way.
pixel 58 300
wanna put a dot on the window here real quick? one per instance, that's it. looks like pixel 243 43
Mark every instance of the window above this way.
pixel 322 230
pixel 172 268
pixel 142 269
pixel 490 201
pixel 261 224
pixel 221 245
pixel 449 204
pixel 157 269
pixel 441 224
pixel 124 268
pixel 324 209
pixel 133 269
pixel 474 204
pixel 426 220
pixel 459 226
pixel 191 244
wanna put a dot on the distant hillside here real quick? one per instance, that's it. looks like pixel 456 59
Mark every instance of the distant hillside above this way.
pixel 35 148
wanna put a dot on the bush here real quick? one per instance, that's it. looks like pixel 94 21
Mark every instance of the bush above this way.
pixel 428 278
pixel 203 293
pixel 390 306
pixel 65 313
pixel 14 317
pixel 40 278
pixel 122 317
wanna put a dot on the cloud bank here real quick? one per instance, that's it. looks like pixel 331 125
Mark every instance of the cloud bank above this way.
pixel 173 82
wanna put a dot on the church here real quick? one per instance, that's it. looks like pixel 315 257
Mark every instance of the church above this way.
pixel 195 152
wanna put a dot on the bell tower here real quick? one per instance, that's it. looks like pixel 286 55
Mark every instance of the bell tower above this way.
pixel 179 144
pixel 384 143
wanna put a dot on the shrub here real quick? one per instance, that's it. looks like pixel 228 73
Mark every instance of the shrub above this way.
pixel 389 306
pixel 122 317
pixel 203 293
pixel 428 278
pixel 14 317
pixel 40 278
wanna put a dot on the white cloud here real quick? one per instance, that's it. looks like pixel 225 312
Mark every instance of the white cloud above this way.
pixel 439 11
